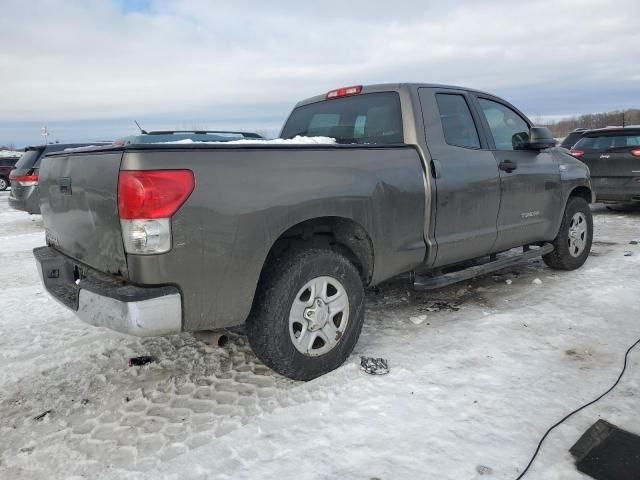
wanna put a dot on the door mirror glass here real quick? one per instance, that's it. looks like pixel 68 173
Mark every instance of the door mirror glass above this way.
pixel 540 137
pixel 520 141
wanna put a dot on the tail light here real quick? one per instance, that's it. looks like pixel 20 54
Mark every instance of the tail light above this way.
pixel 576 153
pixel 146 202
pixel 24 180
pixel 344 92
pixel 635 152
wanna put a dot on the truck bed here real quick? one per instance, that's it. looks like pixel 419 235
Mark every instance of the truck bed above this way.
pixel 245 198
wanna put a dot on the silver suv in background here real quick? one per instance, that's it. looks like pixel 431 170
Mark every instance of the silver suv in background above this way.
pixel 24 177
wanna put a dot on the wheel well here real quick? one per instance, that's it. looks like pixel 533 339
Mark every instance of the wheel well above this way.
pixel 335 233
pixel 582 192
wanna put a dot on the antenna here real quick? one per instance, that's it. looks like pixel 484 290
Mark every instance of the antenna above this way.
pixel 143 131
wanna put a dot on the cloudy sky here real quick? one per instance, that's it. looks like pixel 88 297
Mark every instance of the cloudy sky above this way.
pixel 87 68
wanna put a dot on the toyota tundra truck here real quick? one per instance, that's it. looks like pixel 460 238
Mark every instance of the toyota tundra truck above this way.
pixel 441 182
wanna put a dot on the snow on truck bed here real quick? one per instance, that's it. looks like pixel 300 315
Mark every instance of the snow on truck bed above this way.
pixel 298 140
pixel 491 364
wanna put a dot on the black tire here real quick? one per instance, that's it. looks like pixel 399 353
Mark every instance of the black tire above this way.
pixel 561 258
pixel 268 325
pixel 4 183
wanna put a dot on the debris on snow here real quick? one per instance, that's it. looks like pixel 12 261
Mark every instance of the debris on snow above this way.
pixel 37 418
pixel 628 254
pixel 29 448
pixel 418 319
pixel 484 470
pixel 537 281
pixel 142 360
pixel 374 366
pixel 439 306
pixel 633 242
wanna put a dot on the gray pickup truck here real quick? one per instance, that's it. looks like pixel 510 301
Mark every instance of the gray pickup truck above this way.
pixel 439 181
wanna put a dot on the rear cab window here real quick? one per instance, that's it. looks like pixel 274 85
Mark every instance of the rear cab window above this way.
pixel 371 118
pixel 457 122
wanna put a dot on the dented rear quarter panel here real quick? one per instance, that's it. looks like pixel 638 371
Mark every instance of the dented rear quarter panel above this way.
pixel 245 198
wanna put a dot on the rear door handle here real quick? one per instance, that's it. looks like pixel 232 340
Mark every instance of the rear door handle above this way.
pixel 508 166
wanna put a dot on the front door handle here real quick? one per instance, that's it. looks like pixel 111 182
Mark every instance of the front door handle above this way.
pixel 508 166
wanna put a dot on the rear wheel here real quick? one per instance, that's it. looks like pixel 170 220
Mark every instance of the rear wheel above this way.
pixel 573 243
pixel 4 184
pixel 307 314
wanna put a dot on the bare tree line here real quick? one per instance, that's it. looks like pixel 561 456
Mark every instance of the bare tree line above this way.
pixel 561 128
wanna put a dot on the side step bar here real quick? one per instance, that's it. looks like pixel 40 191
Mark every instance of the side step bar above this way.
pixel 429 282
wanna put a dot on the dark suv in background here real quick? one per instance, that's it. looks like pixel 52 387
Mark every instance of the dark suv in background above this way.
pixel 573 137
pixel 24 177
pixel 613 157
pixel 6 165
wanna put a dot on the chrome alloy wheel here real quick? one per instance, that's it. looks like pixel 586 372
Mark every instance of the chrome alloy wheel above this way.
pixel 319 316
pixel 577 234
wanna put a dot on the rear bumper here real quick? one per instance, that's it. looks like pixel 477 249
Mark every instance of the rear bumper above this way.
pixel 27 199
pixel 617 189
pixel 105 301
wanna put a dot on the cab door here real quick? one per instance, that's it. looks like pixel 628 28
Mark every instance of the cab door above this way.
pixel 465 174
pixel 529 179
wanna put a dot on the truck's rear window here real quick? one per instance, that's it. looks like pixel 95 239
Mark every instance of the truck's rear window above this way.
pixel 605 142
pixel 373 118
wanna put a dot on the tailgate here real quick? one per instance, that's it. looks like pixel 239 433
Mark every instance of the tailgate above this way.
pixel 79 207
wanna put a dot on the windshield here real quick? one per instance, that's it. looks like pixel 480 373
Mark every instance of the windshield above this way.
pixel 373 118
pixel 602 143
pixel 28 159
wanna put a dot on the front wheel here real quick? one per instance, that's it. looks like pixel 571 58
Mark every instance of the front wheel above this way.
pixel 573 243
pixel 307 314
pixel 4 184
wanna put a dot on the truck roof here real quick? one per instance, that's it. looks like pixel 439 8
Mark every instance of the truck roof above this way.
pixel 386 87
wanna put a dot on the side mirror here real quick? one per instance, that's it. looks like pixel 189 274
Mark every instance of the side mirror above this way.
pixel 540 137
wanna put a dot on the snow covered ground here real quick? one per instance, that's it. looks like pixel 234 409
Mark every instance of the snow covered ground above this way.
pixel 10 153
pixel 478 373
